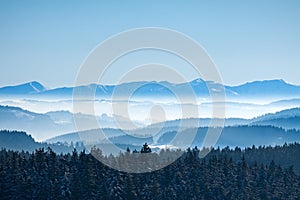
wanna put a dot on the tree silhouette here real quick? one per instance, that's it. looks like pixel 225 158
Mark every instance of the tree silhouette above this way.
pixel 146 148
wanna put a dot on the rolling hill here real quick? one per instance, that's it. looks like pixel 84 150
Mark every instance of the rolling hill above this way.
pixel 51 124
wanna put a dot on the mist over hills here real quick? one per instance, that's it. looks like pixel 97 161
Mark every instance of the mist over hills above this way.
pixel 286 119
pixel 39 125
pixel 58 123
pixel 21 141
pixel 50 124
pixel 241 136
pixel 268 129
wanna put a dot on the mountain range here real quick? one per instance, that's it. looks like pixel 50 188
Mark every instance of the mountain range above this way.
pixel 266 89
pixel 54 123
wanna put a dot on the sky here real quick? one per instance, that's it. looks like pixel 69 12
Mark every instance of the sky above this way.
pixel 47 41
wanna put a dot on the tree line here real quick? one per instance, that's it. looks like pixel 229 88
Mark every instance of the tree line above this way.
pixel 252 173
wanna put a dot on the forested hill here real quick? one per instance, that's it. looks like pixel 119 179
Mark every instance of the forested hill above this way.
pixel 223 174
pixel 21 141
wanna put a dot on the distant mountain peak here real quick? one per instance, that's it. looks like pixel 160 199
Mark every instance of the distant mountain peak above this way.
pixel 38 87
pixel 198 80
pixel 25 88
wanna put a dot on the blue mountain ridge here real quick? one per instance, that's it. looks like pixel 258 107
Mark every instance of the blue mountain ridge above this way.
pixel 264 89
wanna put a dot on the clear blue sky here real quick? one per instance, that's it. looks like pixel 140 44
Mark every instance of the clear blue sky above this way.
pixel 248 40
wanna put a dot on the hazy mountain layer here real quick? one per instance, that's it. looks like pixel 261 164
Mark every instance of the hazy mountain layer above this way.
pixel 267 89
